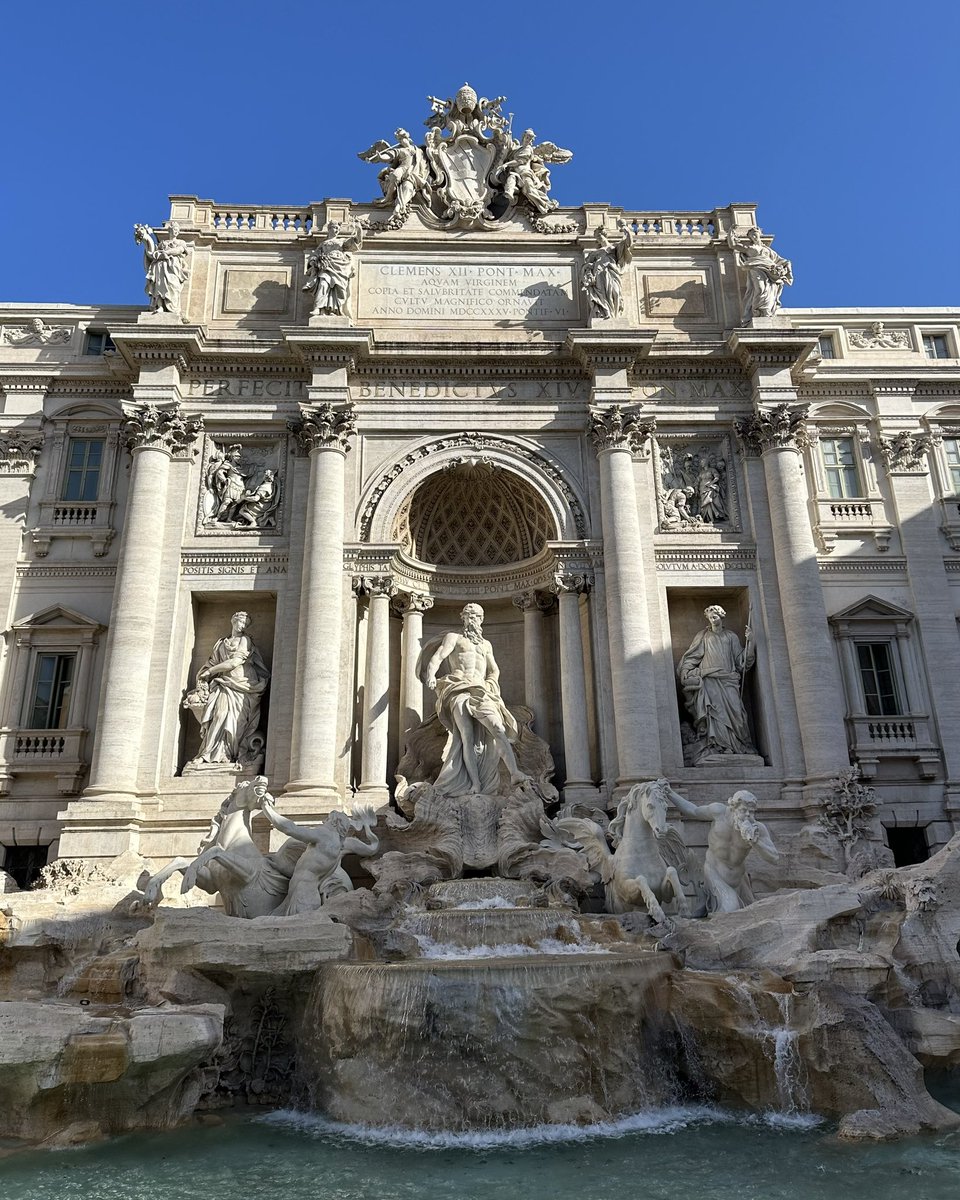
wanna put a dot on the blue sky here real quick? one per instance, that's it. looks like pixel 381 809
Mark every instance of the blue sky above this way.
pixel 840 120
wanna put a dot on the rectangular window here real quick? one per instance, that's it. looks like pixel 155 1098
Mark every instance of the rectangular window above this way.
pixel 97 341
pixel 84 460
pixel 827 349
pixel 879 684
pixel 951 448
pixel 50 701
pixel 935 345
pixel 840 466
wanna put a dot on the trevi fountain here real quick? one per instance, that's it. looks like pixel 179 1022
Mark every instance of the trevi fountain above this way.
pixel 498 813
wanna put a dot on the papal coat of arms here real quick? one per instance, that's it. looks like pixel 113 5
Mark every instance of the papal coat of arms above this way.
pixel 470 172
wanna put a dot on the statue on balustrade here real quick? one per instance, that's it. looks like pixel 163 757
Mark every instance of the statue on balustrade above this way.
pixel 767 273
pixel 603 272
pixel 481 730
pixel 165 264
pixel 734 832
pixel 330 269
pixel 711 675
pixel 226 701
pixel 406 177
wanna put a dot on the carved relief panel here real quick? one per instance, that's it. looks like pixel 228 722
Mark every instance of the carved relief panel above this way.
pixel 696 484
pixel 241 484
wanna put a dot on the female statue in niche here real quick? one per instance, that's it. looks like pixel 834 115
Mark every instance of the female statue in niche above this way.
pixel 711 675
pixel 226 701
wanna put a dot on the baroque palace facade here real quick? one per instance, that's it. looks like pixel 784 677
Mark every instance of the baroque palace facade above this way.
pixel 347 420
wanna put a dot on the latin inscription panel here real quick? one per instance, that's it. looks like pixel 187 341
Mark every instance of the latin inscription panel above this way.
pixel 539 293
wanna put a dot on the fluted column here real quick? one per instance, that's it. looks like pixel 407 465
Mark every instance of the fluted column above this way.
pixel 323 434
pixel 376 690
pixel 568 588
pixel 411 606
pixel 777 433
pixel 153 435
pixel 531 604
pixel 618 434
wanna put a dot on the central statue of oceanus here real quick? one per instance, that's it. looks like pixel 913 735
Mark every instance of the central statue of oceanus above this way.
pixel 470 171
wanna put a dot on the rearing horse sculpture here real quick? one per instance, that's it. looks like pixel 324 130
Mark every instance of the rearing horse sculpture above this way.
pixel 250 883
pixel 642 871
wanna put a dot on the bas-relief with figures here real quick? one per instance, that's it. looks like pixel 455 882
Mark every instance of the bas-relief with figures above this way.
pixel 696 732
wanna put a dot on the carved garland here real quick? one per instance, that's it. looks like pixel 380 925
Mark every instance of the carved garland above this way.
pixel 475 441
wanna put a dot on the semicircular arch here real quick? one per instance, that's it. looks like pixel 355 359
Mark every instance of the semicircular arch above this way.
pixel 386 494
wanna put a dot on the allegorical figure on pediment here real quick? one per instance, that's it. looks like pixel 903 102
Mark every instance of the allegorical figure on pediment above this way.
pixel 406 175
pixel 524 173
pixel 603 272
pixel 466 113
pixel 767 273
pixel 330 269
pixel 165 265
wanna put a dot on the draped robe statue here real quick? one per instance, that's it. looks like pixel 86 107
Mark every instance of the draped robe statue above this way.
pixel 710 674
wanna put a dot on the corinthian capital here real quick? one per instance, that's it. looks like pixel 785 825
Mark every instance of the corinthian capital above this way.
pixel 616 428
pixel 19 451
pixel 322 426
pixel 774 428
pixel 148 427
pixel 906 452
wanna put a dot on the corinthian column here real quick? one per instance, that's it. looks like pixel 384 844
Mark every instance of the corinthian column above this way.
pixel 411 606
pixel 323 433
pixel 376 691
pixel 573 687
pixel 531 604
pixel 778 433
pixel 618 434
pixel 154 436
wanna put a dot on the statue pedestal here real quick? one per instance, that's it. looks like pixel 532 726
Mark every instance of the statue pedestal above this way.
pixel 730 760
pixel 329 321
pixel 176 321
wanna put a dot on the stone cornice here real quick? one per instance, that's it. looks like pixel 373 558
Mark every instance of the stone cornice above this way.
pixel 157 345
pixel 336 346
pixel 610 349
pixel 780 349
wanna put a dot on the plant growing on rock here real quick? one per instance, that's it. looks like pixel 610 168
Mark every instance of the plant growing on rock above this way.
pixel 847 810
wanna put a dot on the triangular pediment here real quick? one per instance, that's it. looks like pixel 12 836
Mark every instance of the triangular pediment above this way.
pixel 57 615
pixel 872 608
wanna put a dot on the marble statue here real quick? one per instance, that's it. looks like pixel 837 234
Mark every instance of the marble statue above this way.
pixel 228 861
pixel 642 871
pixel 36 333
pixel 330 269
pixel 406 175
pixel 711 675
pixel 481 730
pixel 165 264
pixel 226 701
pixel 318 874
pixel 603 272
pixel 767 273
pixel 470 171
pixel 523 174
pixel 257 509
pixel 734 832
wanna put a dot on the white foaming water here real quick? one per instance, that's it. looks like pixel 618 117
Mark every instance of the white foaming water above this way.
pixel 489 902
pixel 451 950
pixel 655 1121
